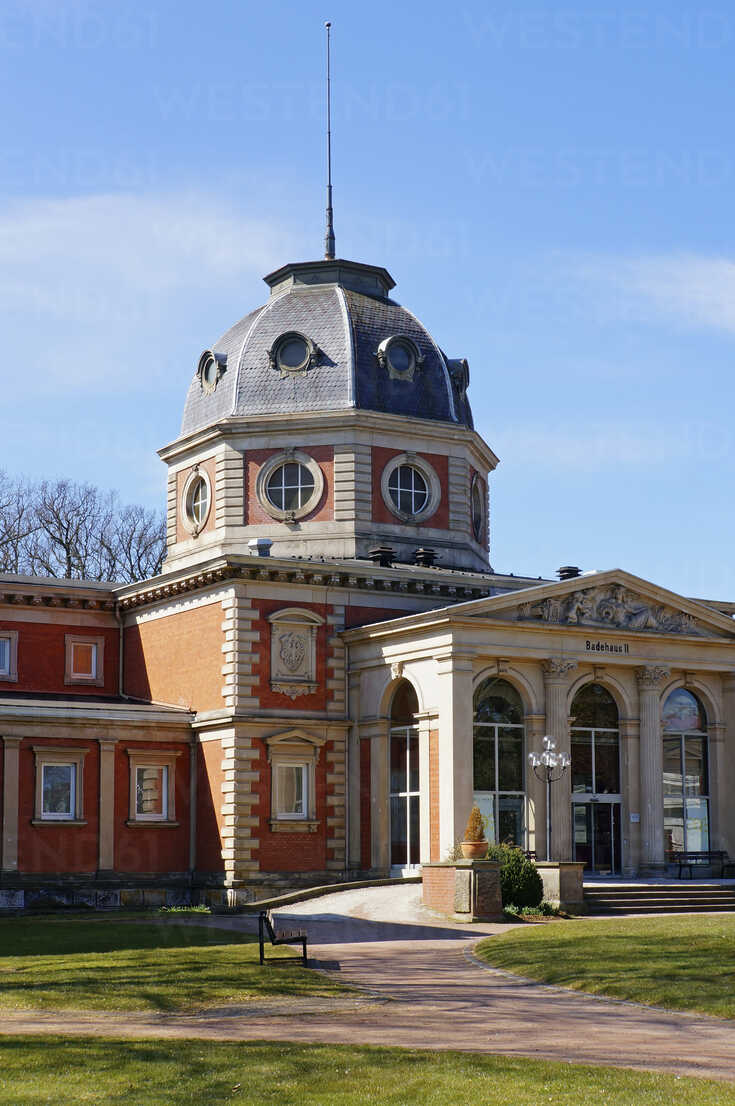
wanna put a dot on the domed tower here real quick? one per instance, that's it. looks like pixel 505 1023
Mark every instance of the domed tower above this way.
pixel 329 423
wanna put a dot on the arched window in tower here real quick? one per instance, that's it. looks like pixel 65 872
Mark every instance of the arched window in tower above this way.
pixel 596 800
pixel 686 773
pixel 410 487
pixel 498 760
pixel 404 778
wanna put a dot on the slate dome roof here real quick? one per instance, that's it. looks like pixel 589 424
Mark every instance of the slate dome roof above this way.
pixel 344 311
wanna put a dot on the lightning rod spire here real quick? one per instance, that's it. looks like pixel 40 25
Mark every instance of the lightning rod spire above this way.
pixel 329 236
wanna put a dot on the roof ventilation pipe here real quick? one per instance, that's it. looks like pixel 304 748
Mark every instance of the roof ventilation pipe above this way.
pixel 383 555
pixel 569 572
pixel 260 547
pixel 425 557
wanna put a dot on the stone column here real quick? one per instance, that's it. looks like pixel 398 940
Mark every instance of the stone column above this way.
pixel 725 780
pixel 353 782
pixel 379 733
pixel 556 685
pixel 454 696
pixel 535 789
pixel 718 797
pixel 11 782
pixel 649 680
pixel 425 723
pixel 630 784
pixel 106 830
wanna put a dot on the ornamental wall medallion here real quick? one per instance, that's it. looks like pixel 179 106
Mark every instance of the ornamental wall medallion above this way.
pixel 293 652
pixel 614 607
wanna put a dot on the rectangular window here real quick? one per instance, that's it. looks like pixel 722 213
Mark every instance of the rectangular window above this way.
pixel 84 659
pixel 9 655
pixel 58 791
pixel 152 786
pixel 59 784
pixel 291 791
pixel 151 791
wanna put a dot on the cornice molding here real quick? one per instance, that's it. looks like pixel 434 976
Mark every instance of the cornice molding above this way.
pixel 271 570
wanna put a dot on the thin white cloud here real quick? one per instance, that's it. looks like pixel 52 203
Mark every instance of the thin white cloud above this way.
pixel 110 273
pixel 608 446
pixel 685 290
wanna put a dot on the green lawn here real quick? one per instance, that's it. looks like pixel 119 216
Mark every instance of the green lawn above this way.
pixel 683 963
pixel 87 1070
pixel 109 964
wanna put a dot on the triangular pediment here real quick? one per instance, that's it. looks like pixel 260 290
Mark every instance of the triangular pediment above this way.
pixel 613 600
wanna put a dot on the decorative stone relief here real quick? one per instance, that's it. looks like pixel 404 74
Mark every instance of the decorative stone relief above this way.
pixel 293 654
pixel 556 668
pixel 615 607
pixel 651 676
pixel 396 669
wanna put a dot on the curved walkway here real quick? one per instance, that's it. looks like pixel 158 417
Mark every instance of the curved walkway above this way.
pixel 427 991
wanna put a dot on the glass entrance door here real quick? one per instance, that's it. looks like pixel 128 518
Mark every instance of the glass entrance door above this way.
pixel 597 836
pixel 404 797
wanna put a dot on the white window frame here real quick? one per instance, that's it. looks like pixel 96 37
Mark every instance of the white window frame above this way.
pixel 294 749
pixel 57 756
pixel 305 789
pixel 267 469
pixel 433 486
pixel 9 674
pixel 97 679
pixel 151 758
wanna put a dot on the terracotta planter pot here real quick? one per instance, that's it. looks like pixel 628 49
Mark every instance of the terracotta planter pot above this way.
pixel 473 850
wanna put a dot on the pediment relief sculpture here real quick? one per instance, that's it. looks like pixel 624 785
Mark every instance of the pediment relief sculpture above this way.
pixel 614 607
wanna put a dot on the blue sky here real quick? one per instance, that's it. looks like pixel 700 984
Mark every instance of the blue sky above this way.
pixel 549 184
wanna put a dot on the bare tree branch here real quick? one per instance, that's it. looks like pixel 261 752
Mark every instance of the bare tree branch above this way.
pixel 76 531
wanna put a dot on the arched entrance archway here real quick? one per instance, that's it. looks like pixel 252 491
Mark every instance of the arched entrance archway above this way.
pixel 686 774
pixel 404 779
pixel 596 799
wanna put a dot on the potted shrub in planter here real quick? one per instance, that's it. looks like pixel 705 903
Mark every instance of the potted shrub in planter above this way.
pixel 474 846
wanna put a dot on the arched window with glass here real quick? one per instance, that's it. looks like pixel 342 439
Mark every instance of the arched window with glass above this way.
pixel 498 761
pixel 686 773
pixel 595 748
pixel 404 778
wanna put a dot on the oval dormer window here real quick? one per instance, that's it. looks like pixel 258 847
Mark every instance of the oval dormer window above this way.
pixel 292 353
pixel 210 370
pixel 400 356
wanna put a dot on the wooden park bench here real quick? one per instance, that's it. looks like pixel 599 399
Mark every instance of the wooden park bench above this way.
pixel 715 859
pixel 268 929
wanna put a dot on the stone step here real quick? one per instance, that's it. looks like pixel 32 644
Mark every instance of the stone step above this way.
pixel 660 899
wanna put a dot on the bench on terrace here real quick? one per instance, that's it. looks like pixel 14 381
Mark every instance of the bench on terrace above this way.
pixel 716 859
pixel 268 928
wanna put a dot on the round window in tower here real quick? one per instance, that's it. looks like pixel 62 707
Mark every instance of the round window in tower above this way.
pixel 478 509
pixel 407 488
pixel 289 485
pixel 196 501
pixel 411 488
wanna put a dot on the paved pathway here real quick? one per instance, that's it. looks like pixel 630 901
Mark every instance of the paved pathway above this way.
pixel 426 991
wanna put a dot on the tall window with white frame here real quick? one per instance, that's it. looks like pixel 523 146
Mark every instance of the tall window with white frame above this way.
pixel 404 779
pixel 498 761
pixel 686 774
